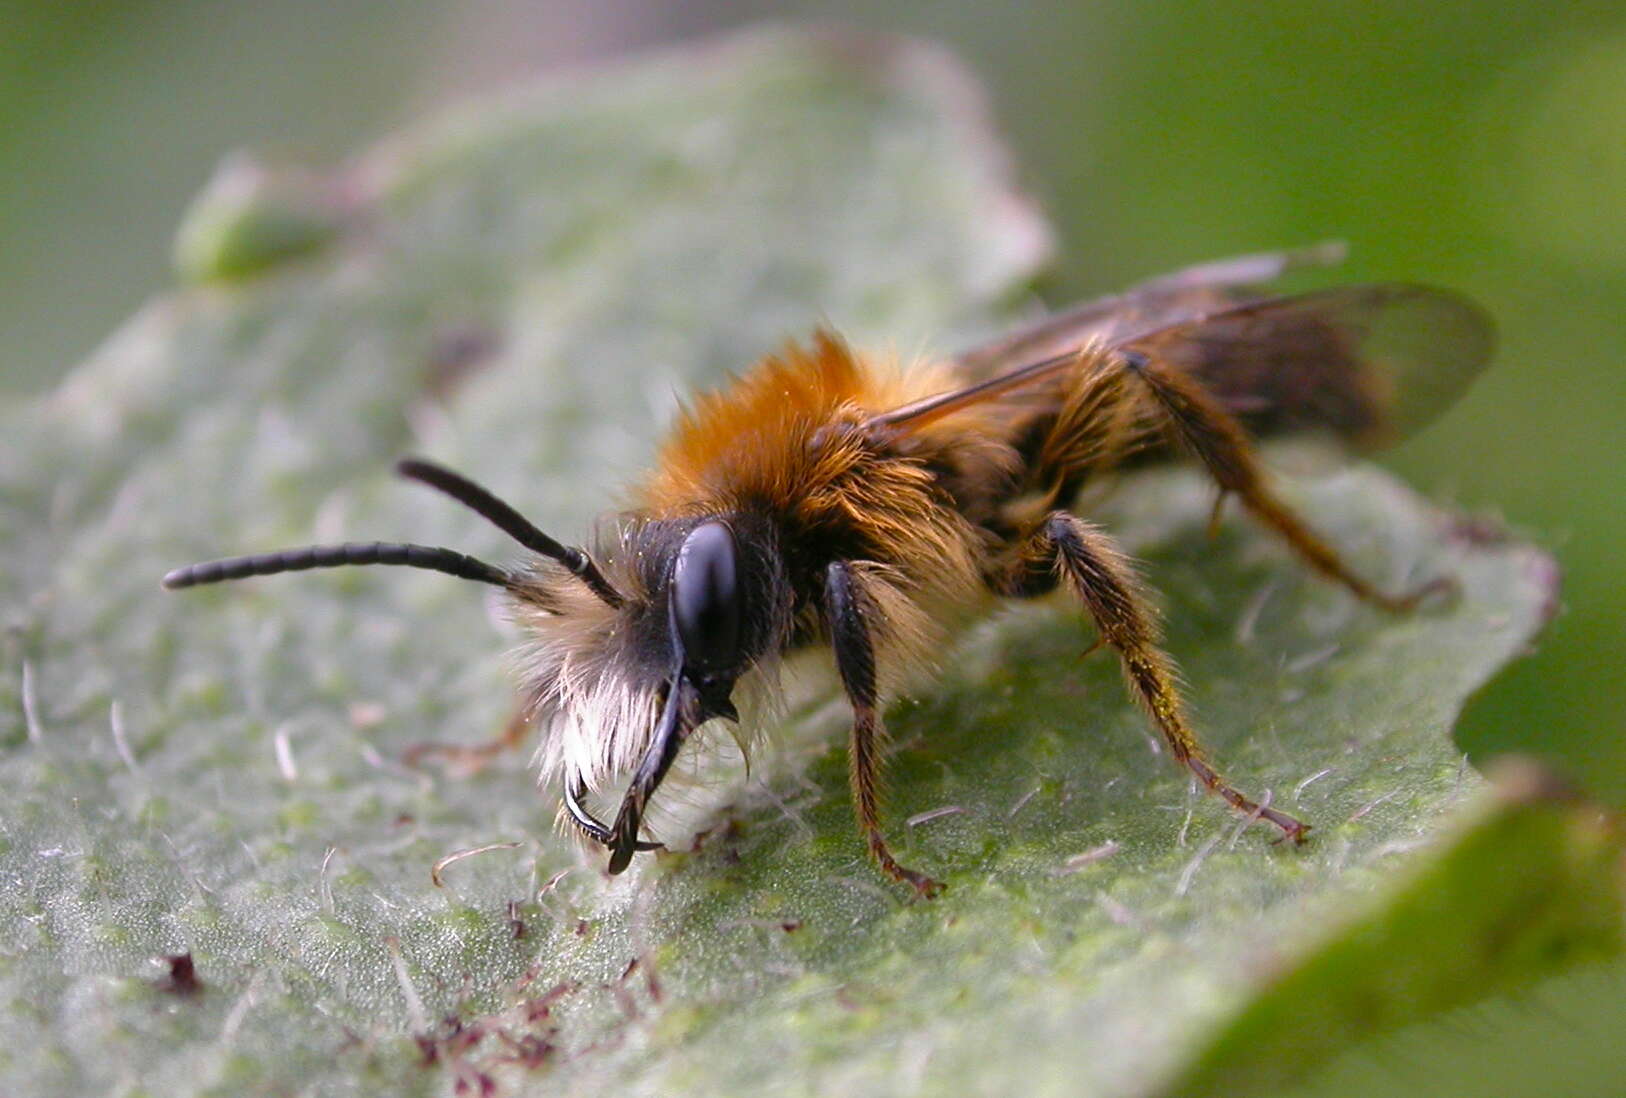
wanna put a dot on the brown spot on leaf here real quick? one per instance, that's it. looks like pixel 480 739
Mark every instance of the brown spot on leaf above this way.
pixel 180 975
pixel 1479 530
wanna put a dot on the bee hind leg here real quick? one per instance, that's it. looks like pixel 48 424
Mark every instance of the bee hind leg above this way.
pixel 846 606
pixel 1067 549
pixel 1204 427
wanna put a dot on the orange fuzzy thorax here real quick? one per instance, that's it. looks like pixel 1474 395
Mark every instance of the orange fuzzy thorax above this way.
pixel 787 439
pixel 752 439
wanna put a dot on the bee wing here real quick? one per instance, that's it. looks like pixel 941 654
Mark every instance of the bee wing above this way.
pixel 1371 363
pixel 1192 291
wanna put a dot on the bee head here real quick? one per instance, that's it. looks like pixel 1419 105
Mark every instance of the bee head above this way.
pixel 619 687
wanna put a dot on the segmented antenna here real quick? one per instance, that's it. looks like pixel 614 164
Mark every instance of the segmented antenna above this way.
pixel 335 556
pixel 510 522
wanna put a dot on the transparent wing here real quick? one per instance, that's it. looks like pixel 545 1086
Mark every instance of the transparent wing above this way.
pixel 1370 363
pixel 1191 291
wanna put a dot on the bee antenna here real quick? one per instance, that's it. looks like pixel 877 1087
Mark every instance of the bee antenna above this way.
pixel 335 556
pixel 509 521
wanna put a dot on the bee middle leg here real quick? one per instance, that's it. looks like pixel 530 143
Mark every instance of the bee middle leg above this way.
pixel 846 608
pixel 1205 427
pixel 1067 549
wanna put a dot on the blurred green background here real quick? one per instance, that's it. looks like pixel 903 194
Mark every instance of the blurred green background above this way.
pixel 1477 145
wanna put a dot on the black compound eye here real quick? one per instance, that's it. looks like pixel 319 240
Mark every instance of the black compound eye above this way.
pixel 706 599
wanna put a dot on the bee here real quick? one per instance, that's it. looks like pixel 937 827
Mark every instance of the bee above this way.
pixel 825 497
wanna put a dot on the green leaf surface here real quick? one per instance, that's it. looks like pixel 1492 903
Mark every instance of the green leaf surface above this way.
pixel 522 289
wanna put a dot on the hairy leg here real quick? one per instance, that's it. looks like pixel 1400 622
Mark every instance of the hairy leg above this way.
pixel 1202 425
pixel 1065 548
pixel 846 608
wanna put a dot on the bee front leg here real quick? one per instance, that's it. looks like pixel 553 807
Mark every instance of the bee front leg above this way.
pixel 846 609
pixel 1065 548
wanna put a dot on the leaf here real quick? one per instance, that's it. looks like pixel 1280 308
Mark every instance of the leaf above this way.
pixel 521 288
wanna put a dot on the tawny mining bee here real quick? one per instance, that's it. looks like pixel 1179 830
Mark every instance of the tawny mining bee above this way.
pixel 824 497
